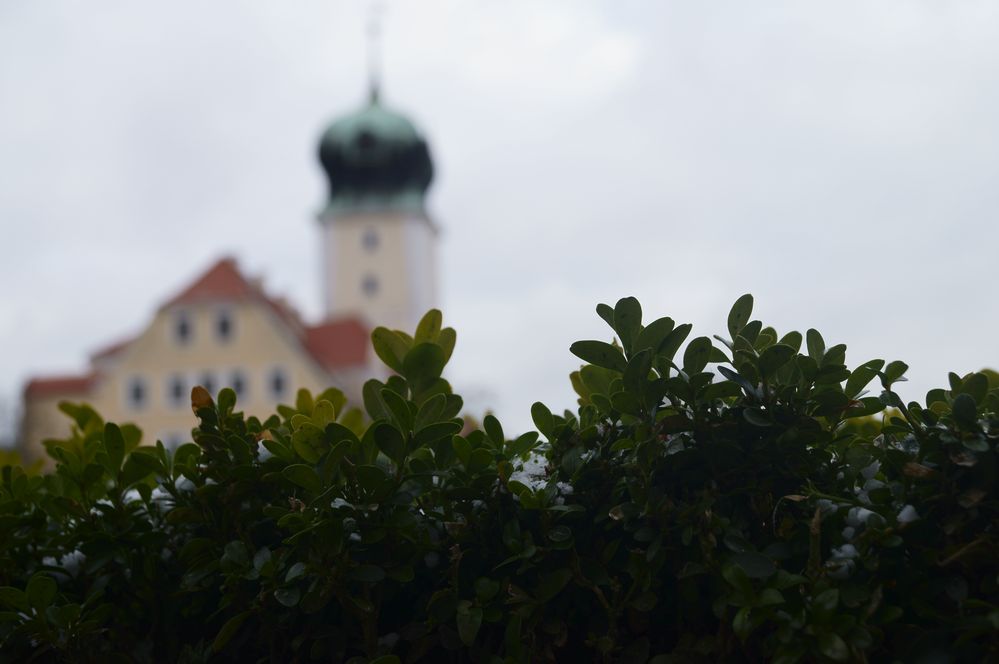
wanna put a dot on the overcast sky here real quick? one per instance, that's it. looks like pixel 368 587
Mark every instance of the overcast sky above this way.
pixel 839 160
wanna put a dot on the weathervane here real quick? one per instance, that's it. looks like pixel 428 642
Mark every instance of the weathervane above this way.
pixel 375 12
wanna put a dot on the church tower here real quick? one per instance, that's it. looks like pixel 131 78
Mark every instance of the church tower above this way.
pixel 378 243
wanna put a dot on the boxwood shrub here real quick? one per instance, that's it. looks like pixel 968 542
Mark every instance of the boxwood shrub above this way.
pixel 714 504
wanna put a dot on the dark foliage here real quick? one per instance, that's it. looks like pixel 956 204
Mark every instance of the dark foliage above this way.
pixel 681 515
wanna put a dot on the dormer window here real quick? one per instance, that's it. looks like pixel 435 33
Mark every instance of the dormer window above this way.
pixel 182 330
pixel 224 325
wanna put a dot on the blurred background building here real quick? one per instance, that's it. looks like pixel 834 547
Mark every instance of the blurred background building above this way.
pixel 224 330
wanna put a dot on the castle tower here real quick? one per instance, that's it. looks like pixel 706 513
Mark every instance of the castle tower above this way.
pixel 378 243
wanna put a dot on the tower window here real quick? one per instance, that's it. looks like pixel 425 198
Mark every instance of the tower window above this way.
pixel 223 325
pixel 370 239
pixel 177 391
pixel 136 392
pixel 182 330
pixel 278 383
pixel 369 285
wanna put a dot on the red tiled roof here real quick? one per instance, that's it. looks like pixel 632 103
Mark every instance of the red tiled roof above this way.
pixel 222 281
pixel 59 385
pixel 338 343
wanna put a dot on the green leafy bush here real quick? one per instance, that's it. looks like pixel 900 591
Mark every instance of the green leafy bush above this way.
pixel 683 514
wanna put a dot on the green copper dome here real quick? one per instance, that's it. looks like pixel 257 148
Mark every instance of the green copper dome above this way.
pixel 375 160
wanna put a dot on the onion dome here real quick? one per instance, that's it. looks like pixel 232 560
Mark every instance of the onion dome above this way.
pixel 375 160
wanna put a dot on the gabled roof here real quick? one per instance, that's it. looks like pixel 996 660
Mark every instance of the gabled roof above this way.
pixel 222 281
pixel 59 386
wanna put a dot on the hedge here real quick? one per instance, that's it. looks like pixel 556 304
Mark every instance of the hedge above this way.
pixel 718 504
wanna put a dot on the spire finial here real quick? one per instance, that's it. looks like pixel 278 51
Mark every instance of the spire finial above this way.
pixel 375 11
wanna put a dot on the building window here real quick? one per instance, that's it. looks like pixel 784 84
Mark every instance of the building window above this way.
pixel 208 382
pixel 136 393
pixel 177 391
pixel 182 330
pixel 237 381
pixel 223 325
pixel 370 239
pixel 278 383
pixel 369 285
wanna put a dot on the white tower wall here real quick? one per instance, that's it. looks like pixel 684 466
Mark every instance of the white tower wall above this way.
pixel 380 266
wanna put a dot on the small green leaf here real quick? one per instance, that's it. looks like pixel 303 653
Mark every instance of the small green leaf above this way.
pixel 386 659
pixel 673 341
pixel 434 432
pixel 964 411
pixel 816 345
pixel 423 365
pixel 229 630
pixel 627 321
pixel 304 476
pixel 774 357
pixel 831 645
pixel 653 334
pixel 390 441
pixel 469 620
pixel 740 314
pixel 446 340
pixel 114 444
pixel 389 347
pixel 599 353
pixel 429 326
pixel 288 596
pixel 893 373
pixel 324 413
pixel 696 357
pixel 13 598
pixel 399 408
pixel 226 400
pixel 755 565
pixel 494 430
pixel 543 419
pixel 41 591
pixel 294 572
pixel 861 376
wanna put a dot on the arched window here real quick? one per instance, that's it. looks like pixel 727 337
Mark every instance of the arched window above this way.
pixel 369 285
pixel 370 239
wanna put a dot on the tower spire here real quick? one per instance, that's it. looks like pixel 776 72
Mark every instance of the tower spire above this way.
pixel 374 34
